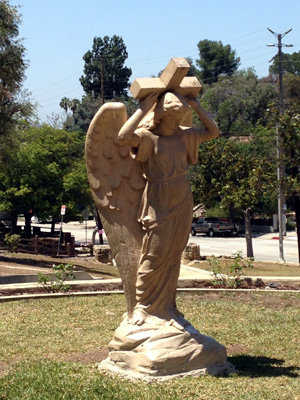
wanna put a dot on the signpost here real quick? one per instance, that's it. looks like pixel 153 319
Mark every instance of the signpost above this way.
pixel 62 213
pixel 85 213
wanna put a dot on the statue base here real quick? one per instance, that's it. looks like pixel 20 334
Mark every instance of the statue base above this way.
pixel 157 350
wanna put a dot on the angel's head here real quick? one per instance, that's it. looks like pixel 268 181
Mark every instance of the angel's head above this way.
pixel 170 110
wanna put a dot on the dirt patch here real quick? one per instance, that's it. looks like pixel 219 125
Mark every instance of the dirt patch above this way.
pixel 31 263
pixel 237 348
pixel 90 357
pixel 17 269
pixel 267 301
pixel 3 367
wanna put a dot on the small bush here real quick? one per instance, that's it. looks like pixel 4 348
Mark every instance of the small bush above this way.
pixel 62 272
pixel 12 240
pixel 229 275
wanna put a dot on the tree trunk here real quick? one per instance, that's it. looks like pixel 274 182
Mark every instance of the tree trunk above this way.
pixel 297 211
pixel 14 223
pixel 248 232
pixel 53 225
pixel 232 217
pixel 28 224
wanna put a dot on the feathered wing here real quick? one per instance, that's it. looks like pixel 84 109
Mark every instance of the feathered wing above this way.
pixel 117 185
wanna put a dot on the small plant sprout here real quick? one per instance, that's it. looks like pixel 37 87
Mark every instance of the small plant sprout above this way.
pixel 229 275
pixel 56 283
pixel 12 240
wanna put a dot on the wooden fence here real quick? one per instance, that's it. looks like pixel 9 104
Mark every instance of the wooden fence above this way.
pixel 45 246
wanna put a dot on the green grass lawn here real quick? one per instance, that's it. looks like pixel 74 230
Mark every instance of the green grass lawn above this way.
pixel 260 268
pixel 260 331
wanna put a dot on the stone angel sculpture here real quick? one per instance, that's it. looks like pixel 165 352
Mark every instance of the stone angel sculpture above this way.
pixel 137 169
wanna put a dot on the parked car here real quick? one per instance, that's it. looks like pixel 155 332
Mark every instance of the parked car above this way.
pixel 212 226
pixel 5 219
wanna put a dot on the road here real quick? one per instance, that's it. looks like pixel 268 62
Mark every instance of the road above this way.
pixel 265 247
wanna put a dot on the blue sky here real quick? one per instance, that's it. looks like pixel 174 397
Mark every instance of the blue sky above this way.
pixel 57 33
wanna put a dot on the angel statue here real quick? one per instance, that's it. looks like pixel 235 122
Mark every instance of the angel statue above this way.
pixel 137 169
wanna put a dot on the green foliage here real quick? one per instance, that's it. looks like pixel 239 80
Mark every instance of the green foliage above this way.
pixel 291 88
pixel 238 102
pixel 229 276
pixel 106 61
pixel 216 211
pixel 290 64
pixel 12 240
pixel 288 124
pixel 43 172
pixel 13 104
pixel 82 112
pixel 216 60
pixel 236 172
pixel 62 272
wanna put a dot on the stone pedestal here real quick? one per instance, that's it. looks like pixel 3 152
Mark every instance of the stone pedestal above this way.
pixel 158 350
pixel 102 253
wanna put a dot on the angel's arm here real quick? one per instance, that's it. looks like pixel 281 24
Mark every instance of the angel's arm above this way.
pixel 126 134
pixel 211 130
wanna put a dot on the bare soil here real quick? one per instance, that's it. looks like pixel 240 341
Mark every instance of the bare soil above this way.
pixel 28 264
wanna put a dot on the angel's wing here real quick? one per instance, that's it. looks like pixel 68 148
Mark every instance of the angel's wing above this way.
pixel 117 185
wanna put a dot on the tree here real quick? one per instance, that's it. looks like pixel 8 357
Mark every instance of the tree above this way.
pixel 13 103
pixel 104 72
pixel 45 171
pixel 291 89
pixel 238 173
pixel 238 102
pixel 288 125
pixel 83 111
pixel 216 60
pixel 290 64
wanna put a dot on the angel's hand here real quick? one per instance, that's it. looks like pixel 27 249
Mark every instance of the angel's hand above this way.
pixel 193 102
pixel 148 102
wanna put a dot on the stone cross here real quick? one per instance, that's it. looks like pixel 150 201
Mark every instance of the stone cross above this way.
pixel 173 78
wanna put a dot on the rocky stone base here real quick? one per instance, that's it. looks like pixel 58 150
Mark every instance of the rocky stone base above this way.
pixel 223 369
pixel 160 350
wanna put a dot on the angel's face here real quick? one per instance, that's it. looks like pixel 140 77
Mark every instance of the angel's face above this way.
pixel 169 122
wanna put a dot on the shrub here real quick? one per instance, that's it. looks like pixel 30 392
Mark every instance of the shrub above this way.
pixel 62 272
pixel 12 240
pixel 229 275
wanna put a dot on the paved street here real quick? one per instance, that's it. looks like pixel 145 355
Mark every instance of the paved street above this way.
pixel 265 247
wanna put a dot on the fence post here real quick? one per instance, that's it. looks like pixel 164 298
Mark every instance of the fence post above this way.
pixel 36 244
pixel 69 250
pixel 53 248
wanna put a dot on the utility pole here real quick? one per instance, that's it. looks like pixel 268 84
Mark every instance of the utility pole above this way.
pixel 280 167
pixel 102 80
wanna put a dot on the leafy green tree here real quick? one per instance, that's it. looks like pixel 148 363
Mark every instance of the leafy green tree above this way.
pixel 40 174
pixel 238 102
pixel 104 72
pixel 83 111
pixel 290 64
pixel 291 89
pixel 216 60
pixel 13 103
pixel 288 125
pixel 239 173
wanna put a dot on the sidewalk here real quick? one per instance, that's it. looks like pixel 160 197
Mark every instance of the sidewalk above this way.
pixel 189 277
pixel 291 235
